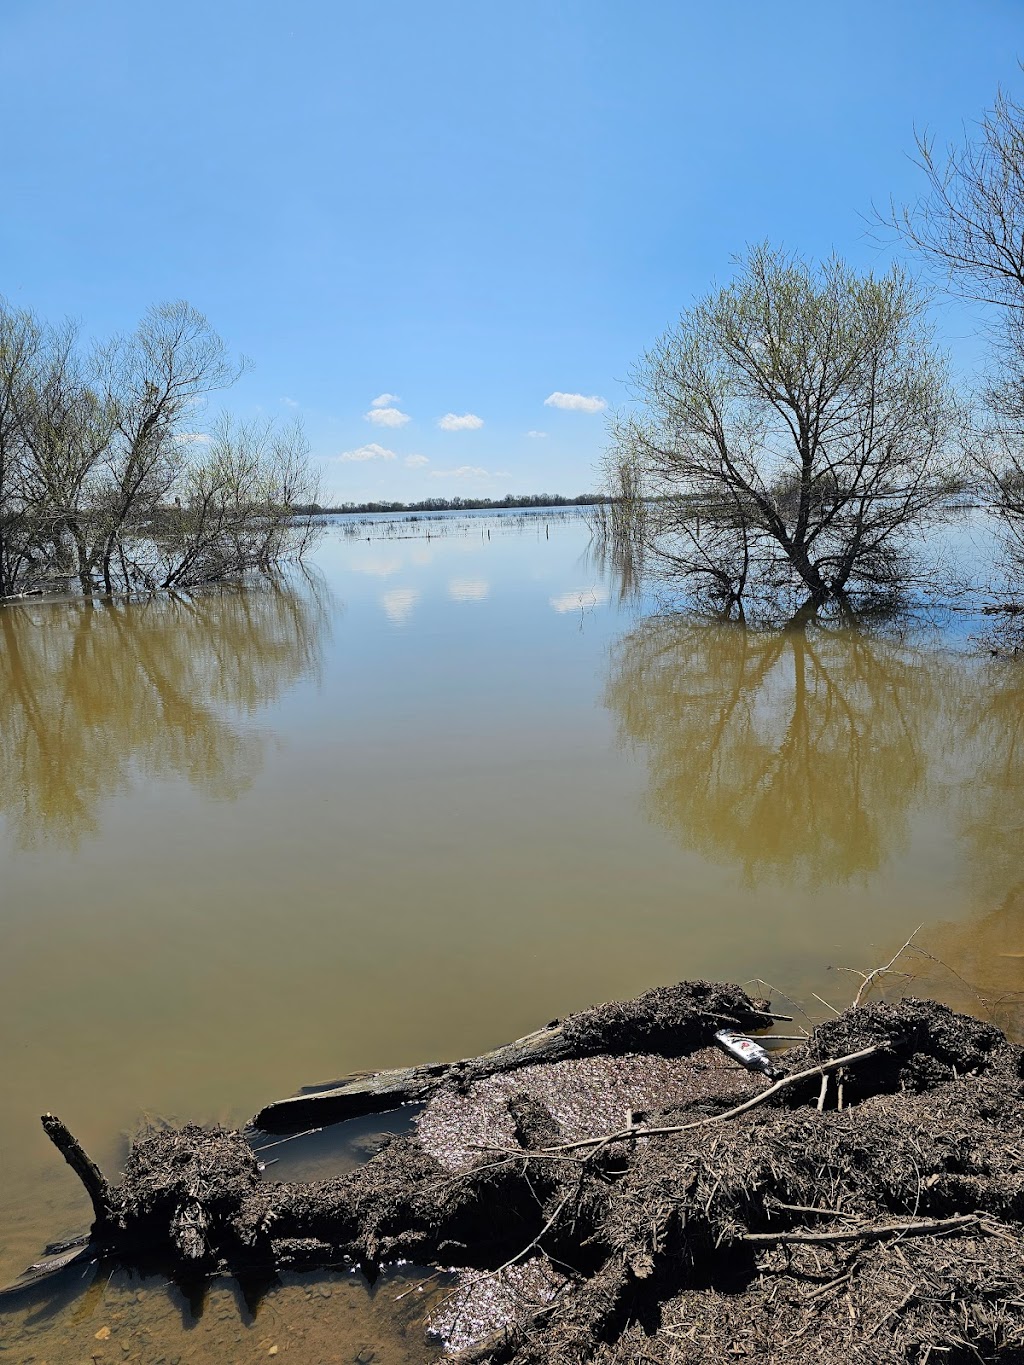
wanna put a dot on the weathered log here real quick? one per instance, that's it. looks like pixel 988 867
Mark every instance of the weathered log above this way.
pixel 669 1020
pixel 82 1164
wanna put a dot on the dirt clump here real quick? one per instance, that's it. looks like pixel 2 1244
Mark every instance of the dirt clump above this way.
pixel 875 1217
pixel 670 1020
pixel 925 1044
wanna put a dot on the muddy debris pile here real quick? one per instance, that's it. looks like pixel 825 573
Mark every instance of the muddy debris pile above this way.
pixel 666 1206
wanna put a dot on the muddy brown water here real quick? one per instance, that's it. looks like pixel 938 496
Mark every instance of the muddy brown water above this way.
pixel 439 790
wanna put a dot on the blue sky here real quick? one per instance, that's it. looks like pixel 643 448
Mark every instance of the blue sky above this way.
pixel 466 206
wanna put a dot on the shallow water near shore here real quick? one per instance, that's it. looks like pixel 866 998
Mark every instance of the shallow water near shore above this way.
pixel 440 789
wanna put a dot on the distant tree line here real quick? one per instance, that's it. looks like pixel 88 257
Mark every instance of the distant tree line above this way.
pixel 796 433
pixel 458 504
pixel 105 483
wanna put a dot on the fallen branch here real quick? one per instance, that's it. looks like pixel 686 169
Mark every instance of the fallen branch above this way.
pixel 693 1012
pixel 878 1232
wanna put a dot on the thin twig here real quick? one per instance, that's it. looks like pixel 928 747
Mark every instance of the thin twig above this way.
pixel 519 1154
pixel 412 1290
pixel 826 1004
pixel 876 1233
pixel 881 971
pixel 824 1288
pixel 490 1274
pixel 307 1132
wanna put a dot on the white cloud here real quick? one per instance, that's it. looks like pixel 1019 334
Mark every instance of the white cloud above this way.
pixel 579 599
pixel 194 438
pixel 289 402
pixel 468 421
pixel 398 604
pixel 468 589
pixel 537 435
pixel 387 417
pixel 575 402
pixel 415 461
pixel 368 452
pixel 385 400
pixel 464 471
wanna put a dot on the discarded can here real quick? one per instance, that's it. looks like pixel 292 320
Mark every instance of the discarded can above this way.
pixel 746 1052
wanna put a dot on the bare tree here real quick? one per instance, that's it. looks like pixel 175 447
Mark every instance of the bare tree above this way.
pixel 793 432
pixel 237 505
pixel 104 483
pixel 22 343
pixel 153 381
pixel 970 220
pixel 969 224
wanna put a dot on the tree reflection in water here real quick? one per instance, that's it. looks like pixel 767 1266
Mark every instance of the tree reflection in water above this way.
pixel 988 947
pixel 795 752
pixel 94 694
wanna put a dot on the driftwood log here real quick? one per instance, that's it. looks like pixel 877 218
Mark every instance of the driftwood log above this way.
pixel 669 1020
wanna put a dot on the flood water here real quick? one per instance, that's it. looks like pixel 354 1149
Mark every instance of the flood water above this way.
pixel 436 791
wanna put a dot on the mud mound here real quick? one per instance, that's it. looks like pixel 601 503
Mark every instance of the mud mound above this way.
pixel 927 1043
pixel 671 1020
pixel 185 1187
pixel 792 1226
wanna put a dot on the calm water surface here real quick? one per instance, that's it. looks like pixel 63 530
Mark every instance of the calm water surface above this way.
pixel 435 792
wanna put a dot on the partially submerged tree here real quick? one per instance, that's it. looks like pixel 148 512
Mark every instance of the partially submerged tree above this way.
pixel 793 433
pixel 105 487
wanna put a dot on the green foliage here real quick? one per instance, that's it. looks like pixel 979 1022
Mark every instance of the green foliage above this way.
pixel 794 429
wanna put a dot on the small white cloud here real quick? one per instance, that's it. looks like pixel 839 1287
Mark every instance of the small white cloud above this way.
pixel 575 402
pixel 398 604
pixel 194 438
pixel 468 589
pixel 385 400
pixel 580 599
pixel 387 417
pixel 536 435
pixel 464 471
pixel 452 421
pixel 368 452
pixel 289 402
pixel 415 461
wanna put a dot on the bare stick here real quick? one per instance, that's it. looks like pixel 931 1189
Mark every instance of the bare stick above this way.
pixel 876 1233
pixel 777 1088
pixel 881 971
pixel 822 1092
pixel 81 1163
pixel 512 1260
